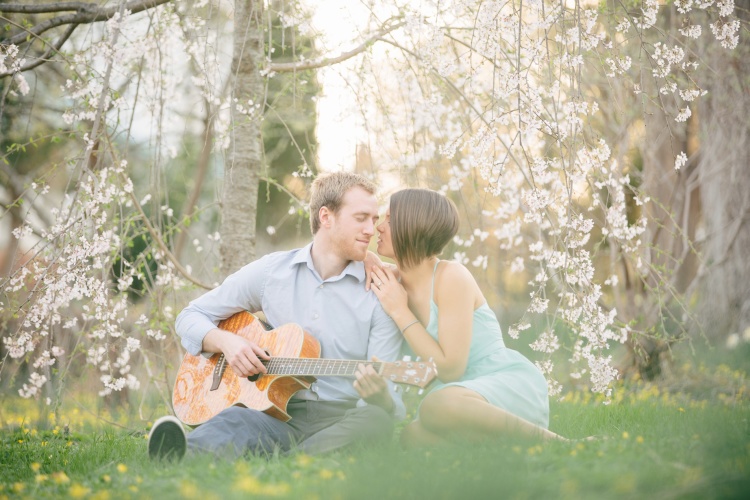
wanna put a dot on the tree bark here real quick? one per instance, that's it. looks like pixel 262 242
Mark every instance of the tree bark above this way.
pixel 724 293
pixel 240 196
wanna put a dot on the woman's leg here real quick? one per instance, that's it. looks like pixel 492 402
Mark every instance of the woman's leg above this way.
pixel 458 410
pixel 415 435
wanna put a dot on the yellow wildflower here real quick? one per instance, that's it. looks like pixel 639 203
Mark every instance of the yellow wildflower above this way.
pixel 275 490
pixel 35 466
pixel 78 491
pixel 188 489
pixel 247 484
pixel 60 477
pixel 326 474
pixel 122 468
pixel 100 495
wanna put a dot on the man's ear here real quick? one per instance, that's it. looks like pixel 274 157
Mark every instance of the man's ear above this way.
pixel 325 216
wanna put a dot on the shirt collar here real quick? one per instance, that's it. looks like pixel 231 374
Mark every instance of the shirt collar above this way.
pixel 355 269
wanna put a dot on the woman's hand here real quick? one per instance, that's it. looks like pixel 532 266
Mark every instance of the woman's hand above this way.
pixel 392 295
pixel 371 260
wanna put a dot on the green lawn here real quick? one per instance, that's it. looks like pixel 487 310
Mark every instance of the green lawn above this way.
pixel 659 445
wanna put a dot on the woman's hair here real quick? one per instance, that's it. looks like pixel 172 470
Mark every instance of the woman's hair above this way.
pixel 422 223
pixel 328 190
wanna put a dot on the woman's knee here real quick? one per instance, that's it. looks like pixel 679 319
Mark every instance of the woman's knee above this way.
pixel 440 411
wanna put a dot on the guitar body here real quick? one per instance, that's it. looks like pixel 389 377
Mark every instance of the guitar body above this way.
pixel 206 386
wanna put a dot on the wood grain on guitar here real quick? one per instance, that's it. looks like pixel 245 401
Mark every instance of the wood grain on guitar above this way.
pixel 206 386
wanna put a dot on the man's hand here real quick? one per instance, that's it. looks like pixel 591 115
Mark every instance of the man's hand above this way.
pixel 373 387
pixel 243 356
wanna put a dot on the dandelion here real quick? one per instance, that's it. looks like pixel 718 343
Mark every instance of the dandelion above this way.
pixel 78 491
pixel 639 440
pixel 122 468
pixel 100 495
pixel 247 484
pixel 625 435
pixel 35 466
pixel 188 489
pixel 60 477
pixel 326 474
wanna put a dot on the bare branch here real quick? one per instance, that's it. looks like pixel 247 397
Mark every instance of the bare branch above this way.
pixel 320 63
pixel 45 7
pixel 87 13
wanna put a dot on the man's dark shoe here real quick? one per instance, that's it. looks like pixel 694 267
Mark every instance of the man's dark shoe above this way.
pixel 167 439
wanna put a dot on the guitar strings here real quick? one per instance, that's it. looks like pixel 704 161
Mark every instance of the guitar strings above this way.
pixel 315 366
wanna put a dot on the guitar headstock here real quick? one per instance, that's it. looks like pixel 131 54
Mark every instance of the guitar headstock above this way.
pixel 406 371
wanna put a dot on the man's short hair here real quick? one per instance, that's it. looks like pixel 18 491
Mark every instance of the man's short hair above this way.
pixel 422 223
pixel 328 190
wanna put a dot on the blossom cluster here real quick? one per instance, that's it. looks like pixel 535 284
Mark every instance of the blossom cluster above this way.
pixel 516 133
pixel 10 62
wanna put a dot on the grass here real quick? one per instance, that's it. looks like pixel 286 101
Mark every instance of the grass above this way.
pixel 659 445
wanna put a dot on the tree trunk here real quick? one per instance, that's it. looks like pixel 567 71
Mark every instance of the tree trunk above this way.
pixel 724 300
pixel 240 197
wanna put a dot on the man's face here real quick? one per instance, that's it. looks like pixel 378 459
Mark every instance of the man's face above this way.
pixel 353 226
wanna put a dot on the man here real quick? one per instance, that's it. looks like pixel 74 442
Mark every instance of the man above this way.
pixel 321 287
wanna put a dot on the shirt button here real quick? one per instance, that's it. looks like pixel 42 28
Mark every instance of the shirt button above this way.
pixel 321 286
pixel 315 315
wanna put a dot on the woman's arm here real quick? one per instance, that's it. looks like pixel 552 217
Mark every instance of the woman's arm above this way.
pixel 455 294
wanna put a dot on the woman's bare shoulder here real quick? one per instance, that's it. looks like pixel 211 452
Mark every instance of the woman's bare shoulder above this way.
pixel 455 278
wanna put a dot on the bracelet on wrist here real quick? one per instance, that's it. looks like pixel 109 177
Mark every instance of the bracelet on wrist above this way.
pixel 410 324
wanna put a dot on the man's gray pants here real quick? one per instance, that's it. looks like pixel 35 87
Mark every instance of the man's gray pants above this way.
pixel 316 427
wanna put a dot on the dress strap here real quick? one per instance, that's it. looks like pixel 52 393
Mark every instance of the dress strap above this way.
pixel 432 290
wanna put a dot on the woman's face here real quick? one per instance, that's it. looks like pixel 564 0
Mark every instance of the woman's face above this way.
pixel 385 245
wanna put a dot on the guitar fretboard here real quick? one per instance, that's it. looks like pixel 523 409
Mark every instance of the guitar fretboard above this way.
pixel 316 367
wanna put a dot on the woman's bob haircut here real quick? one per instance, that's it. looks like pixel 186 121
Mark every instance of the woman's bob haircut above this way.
pixel 422 223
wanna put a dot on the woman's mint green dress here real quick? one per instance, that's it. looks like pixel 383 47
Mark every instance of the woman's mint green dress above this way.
pixel 504 377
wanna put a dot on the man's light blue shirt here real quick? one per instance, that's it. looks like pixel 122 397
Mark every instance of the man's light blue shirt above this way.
pixel 347 320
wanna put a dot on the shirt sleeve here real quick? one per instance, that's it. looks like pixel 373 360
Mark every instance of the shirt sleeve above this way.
pixel 241 291
pixel 385 343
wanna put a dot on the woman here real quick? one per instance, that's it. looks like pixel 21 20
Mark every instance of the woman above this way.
pixel 484 388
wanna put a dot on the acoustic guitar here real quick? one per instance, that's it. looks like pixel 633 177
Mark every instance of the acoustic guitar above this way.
pixel 206 386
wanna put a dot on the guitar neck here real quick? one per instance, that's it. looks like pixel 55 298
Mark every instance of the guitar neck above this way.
pixel 316 367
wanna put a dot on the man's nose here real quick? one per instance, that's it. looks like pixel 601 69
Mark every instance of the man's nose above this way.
pixel 369 228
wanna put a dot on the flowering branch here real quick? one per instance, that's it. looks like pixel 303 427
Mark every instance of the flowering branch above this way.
pixel 85 13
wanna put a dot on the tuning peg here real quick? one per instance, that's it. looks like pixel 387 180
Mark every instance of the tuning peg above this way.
pixel 407 389
pixel 420 391
pixel 419 358
pixel 407 358
pixel 397 388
